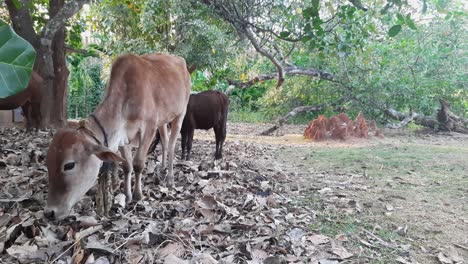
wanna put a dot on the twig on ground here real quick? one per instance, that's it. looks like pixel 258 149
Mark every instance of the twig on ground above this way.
pixel 78 236
pixel 381 241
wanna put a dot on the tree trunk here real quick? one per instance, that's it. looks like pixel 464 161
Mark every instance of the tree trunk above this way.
pixel 51 50
pixel 54 103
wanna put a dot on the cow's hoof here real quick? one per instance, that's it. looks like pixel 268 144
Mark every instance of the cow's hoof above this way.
pixel 169 183
pixel 138 197
pixel 128 198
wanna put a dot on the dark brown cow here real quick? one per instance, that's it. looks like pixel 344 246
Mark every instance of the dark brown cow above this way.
pixel 29 100
pixel 205 110
pixel 145 93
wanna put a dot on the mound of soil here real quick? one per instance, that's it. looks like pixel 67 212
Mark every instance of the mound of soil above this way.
pixel 341 127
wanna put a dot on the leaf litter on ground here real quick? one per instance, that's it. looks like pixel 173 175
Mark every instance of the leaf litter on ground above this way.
pixel 238 210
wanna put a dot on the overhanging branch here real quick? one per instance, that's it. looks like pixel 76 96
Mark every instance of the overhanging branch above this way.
pixel 55 23
pixel 248 33
pixel 289 71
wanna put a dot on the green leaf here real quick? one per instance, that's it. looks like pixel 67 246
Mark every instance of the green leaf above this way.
pixel 17 58
pixel 307 13
pixel 410 22
pixel 315 4
pixel 306 38
pixel 400 17
pixel 285 34
pixel 394 30
pixel 17 4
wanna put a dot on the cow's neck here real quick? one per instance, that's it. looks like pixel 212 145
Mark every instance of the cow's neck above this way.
pixel 111 123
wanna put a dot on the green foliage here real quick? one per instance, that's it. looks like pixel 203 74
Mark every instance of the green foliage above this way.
pixel 387 56
pixel 401 20
pixel 244 115
pixel 39 10
pixel 17 58
pixel 409 72
pixel 85 86
pixel 393 31
pixel 176 26
pixel 415 70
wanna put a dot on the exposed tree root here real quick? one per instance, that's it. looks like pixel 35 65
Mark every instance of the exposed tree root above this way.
pixel 445 120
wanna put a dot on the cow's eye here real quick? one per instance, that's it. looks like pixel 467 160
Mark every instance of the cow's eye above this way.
pixel 69 166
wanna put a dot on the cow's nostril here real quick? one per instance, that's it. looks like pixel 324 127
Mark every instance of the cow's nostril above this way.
pixel 49 214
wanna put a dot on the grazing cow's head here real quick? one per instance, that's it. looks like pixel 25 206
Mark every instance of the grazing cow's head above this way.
pixel 73 163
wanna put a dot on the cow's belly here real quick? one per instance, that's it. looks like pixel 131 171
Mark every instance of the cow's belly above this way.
pixel 131 133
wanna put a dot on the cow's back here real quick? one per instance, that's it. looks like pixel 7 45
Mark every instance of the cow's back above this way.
pixel 207 109
pixel 153 87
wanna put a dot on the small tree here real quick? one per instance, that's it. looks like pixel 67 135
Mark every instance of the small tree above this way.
pixel 49 42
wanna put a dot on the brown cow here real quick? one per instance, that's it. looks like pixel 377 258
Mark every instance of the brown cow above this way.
pixel 205 110
pixel 144 93
pixel 29 100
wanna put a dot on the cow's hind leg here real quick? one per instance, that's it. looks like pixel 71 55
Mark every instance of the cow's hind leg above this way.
pixel 220 134
pixel 27 114
pixel 190 133
pixel 164 141
pixel 127 166
pixel 146 137
pixel 183 142
pixel 175 129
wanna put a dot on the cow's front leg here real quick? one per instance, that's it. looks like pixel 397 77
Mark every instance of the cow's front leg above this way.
pixel 140 160
pixel 164 141
pixel 127 166
pixel 175 130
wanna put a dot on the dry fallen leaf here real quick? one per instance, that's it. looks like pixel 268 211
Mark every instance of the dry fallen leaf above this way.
pixel 317 239
pixel 22 251
pixel 174 249
pixel 443 259
pixel 341 252
pixel 172 259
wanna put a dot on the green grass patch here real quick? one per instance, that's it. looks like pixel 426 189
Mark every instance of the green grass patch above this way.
pixel 424 175
pixel 247 116
pixel 413 160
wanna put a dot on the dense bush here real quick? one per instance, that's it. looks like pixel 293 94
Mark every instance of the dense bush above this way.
pixel 85 87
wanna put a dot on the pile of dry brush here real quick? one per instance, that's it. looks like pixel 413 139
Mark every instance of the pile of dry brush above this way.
pixel 341 127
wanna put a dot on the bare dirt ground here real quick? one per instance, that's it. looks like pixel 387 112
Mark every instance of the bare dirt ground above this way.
pixel 278 199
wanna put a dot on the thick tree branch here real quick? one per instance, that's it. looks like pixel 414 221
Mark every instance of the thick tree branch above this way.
pixel 58 21
pixel 288 71
pixel 22 22
pixel 358 4
pixel 445 121
pixel 249 34
pixel 419 119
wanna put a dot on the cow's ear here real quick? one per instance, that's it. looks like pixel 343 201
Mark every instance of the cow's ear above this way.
pixel 104 153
